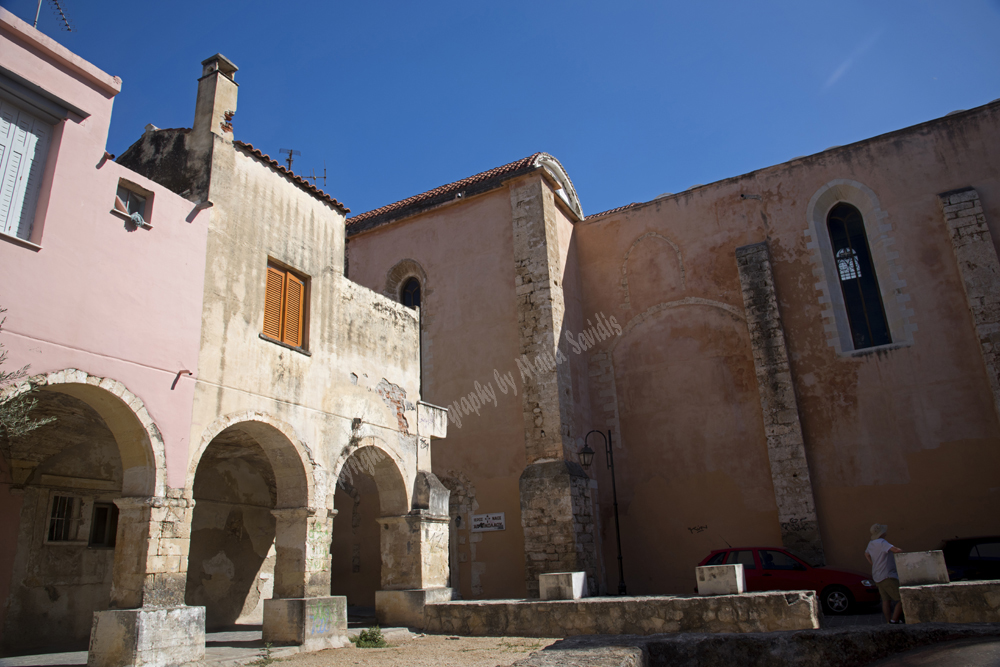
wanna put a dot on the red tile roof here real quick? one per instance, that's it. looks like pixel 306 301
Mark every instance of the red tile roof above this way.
pixel 613 210
pixel 295 178
pixel 481 182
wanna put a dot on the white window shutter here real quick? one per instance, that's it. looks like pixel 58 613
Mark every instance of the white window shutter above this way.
pixel 24 143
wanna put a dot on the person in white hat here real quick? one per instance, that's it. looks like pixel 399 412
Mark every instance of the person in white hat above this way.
pixel 880 556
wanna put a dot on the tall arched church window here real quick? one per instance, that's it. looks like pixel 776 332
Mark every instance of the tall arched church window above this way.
pixel 858 281
pixel 410 295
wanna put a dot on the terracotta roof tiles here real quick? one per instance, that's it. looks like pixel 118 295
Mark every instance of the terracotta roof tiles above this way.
pixel 480 182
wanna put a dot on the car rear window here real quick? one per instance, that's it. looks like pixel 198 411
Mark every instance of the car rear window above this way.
pixel 717 559
pixel 745 557
pixel 986 551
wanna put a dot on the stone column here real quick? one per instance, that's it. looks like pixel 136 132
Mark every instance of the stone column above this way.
pixel 415 555
pixel 556 504
pixel 980 272
pixel 148 623
pixel 151 572
pixel 302 611
pixel 785 446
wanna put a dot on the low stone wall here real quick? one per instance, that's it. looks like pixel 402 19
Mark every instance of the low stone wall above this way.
pixel 750 612
pixel 844 647
pixel 958 602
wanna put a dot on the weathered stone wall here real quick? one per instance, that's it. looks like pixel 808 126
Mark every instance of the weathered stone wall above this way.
pixel 979 268
pixel 750 612
pixel 556 501
pixel 957 602
pixel 785 446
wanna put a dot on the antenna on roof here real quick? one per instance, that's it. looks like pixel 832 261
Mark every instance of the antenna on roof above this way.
pixel 57 4
pixel 314 177
pixel 290 152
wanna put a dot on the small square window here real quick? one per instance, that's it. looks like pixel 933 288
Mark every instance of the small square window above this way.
pixel 131 203
pixel 64 519
pixel 104 526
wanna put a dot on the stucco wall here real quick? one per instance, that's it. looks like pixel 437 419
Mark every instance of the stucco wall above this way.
pixel 903 436
pixel 91 291
pixel 470 323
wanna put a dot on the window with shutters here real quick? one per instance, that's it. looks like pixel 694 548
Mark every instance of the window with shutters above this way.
pixel 285 306
pixel 24 144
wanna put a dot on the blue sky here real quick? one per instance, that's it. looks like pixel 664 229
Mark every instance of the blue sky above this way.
pixel 634 98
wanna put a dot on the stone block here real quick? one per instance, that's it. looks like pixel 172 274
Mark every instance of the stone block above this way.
pixel 917 568
pixel 720 579
pixel 563 585
pixel 960 602
pixel 314 623
pixel 147 637
pixel 406 608
pixel 432 421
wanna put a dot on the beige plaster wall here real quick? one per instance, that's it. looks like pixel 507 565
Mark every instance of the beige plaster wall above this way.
pixel 905 436
pixel 470 329
pixel 355 339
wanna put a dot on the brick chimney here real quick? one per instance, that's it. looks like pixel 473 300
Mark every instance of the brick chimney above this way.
pixel 216 104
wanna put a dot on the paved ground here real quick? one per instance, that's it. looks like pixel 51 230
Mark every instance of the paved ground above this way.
pixel 243 644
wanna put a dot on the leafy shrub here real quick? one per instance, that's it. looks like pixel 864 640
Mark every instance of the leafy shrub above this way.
pixel 370 638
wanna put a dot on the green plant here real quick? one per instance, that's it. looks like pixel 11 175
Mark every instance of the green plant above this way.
pixel 264 657
pixel 370 638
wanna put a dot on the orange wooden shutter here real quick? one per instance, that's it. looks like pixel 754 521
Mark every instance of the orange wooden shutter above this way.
pixel 295 291
pixel 272 303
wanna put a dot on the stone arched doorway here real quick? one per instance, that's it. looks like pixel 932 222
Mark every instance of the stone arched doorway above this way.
pixel 369 488
pixel 250 485
pixel 69 515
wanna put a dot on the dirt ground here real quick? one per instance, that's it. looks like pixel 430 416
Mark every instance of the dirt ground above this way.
pixel 427 651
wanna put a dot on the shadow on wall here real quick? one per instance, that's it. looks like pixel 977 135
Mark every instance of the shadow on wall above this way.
pixel 356 570
pixel 231 562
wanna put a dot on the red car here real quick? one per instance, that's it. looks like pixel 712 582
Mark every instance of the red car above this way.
pixel 777 569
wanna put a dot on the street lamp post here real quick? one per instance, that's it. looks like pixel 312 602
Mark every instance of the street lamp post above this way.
pixel 586 458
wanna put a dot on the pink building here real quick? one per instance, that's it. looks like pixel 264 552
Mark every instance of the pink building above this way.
pixel 106 308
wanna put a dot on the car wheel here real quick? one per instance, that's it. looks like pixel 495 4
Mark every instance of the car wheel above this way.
pixel 836 600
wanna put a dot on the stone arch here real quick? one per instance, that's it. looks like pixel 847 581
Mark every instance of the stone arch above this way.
pixel 397 276
pixel 880 241
pixel 566 192
pixel 626 303
pixel 733 311
pixel 140 443
pixel 371 456
pixel 291 460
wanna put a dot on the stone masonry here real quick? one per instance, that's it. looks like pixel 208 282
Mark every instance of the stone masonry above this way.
pixel 556 495
pixel 980 271
pixel 785 446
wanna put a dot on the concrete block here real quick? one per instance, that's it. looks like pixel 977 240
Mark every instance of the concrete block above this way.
pixel 406 608
pixel 562 585
pixel 314 623
pixel 960 602
pixel 917 568
pixel 720 579
pixel 147 637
